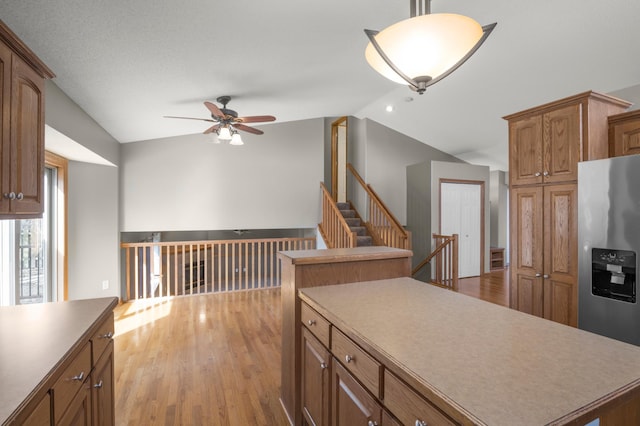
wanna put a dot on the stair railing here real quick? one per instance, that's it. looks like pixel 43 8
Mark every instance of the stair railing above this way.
pixel 380 222
pixel 444 272
pixel 334 228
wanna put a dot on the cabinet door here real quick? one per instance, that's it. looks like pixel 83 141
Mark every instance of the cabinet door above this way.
pixel 626 138
pixel 27 139
pixel 561 253
pixel 352 404
pixel 562 139
pixel 79 411
pixel 315 380
pixel 41 414
pixel 526 250
pixel 5 123
pixel 103 390
pixel 525 151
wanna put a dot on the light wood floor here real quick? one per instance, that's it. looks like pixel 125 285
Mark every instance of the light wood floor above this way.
pixel 214 359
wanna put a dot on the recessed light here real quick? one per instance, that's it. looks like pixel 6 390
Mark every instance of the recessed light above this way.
pixel 389 108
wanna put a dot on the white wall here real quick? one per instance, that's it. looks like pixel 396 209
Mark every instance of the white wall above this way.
pixel 93 229
pixel 446 170
pixel 186 183
pixel 500 211
pixel 93 245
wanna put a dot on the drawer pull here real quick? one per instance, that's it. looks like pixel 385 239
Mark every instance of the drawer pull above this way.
pixel 421 423
pixel 323 365
pixel 311 322
pixel 349 358
pixel 109 335
pixel 10 195
pixel 98 385
pixel 20 196
pixel 372 423
pixel 79 377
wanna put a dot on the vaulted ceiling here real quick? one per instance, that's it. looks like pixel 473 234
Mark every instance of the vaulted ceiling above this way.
pixel 128 63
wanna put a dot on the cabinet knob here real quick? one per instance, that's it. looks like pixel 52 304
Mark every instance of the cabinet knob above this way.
pixel 372 423
pixel 323 365
pixel 311 322
pixel 537 174
pixel 98 385
pixel 109 335
pixel 20 196
pixel 545 276
pixel 538 274
pixel 421 423
pixel 79 377
pixel 10 195
pixel 349 358
pixel 545 174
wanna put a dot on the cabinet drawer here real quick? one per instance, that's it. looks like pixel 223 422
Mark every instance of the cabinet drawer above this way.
pixel 71 381
pixel 357 361
pixel 101 338
pixel 409 407
pixel 315 323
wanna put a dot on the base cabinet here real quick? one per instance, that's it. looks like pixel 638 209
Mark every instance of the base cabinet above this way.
pixel 102 389
pixel 79 411
pixel 316 366
pixel 352 404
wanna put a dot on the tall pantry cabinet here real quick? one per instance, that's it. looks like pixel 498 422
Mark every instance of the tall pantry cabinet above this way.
pixel 545 145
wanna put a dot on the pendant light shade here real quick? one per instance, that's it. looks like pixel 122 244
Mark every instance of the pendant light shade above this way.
pixel 224 134
pixel 236 139
pixel 424 49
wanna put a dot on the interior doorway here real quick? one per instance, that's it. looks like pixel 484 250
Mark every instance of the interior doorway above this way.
pixel 339 159
pixel 462 213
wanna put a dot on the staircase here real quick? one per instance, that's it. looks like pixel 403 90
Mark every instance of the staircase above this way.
pixel 355 224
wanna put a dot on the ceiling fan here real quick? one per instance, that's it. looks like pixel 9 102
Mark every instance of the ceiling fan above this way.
pixel 227 122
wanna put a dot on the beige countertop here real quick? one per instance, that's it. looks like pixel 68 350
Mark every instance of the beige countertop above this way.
pixel 501 366
pixel 344 254
pixel 35 338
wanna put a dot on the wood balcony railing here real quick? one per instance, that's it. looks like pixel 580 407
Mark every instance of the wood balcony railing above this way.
pixel 194 267
pixel 444 269
pixel 334 228
pixel 383 226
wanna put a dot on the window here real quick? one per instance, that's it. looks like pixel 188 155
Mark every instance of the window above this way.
pixel 33 266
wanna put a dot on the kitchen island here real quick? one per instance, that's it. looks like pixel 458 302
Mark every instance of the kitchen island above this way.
pixel 56 363
pixel 456 360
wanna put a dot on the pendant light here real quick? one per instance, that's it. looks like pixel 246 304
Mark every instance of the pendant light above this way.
pixel 224 134
pixel 424 49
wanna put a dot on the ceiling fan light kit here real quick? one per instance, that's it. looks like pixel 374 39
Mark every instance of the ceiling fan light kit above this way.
pixel 227 122
pixel 424 49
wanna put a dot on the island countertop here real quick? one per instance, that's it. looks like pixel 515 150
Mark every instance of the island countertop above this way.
pixel 35 338
pixel 496 365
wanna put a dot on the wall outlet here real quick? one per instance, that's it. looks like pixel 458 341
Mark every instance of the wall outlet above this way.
pixel 105 285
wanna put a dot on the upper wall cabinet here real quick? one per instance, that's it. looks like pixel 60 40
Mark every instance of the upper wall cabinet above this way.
pixel 624 134
pixel 22 77
pixel 547 142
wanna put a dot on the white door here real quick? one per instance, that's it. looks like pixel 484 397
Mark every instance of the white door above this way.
pixel 460 214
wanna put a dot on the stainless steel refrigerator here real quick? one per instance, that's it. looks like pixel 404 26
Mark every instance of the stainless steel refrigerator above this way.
pixel 608 247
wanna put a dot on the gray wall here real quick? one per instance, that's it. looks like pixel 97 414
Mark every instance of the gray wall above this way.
pixel 500 211
pixel 445 170
pixel 93 229
pixel 185 183
pixel 93 246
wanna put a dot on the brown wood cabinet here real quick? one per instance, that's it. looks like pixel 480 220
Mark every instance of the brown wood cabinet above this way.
pixel 545 145
pixel 351 403
pixel 77 388
pixel 316 268
pixel 624 134
pixel 316 363
pixel 22 77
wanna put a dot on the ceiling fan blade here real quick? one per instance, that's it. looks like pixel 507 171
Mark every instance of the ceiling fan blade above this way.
pixel 212 129
pixel 248 129
pixel 214 109
pixel 191 118
pixel 255 119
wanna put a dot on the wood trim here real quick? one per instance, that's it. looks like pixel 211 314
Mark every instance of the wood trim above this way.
pixel 23 51
pixel 334 154
pixel 565 101
pixel 61 164
pixel 482 208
